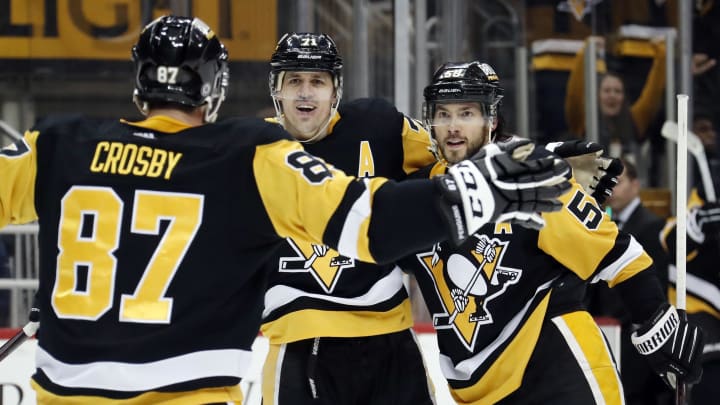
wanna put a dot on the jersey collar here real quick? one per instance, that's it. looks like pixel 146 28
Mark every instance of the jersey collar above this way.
pixel 161 123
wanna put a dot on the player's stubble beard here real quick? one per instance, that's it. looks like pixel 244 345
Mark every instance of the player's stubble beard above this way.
pixel 472 147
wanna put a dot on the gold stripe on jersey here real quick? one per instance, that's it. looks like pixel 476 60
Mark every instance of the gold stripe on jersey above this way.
pixel 639 48
pixel 553 62
pixel 670 226
pixel 694 199
pixel 270 375
pixel 561 62
pixel 161 123
pixel 280 191
pixel 203 396
pixel 17 198
pixel 592 237
pixel 416 146
pixel 593 356
pixel 632 261
pixel 505 374
pixel 694 304
pixel 309 323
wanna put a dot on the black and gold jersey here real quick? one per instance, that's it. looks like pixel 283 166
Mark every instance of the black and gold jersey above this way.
pixel 702 288
pixel 490 296
pixel 153 239
pixel 316 291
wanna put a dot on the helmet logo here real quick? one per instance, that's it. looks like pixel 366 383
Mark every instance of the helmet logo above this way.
pixel 452 73
pixel 489 72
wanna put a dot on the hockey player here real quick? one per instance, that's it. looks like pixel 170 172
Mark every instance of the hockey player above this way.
pixel 506 302
pixel 702 282
pixel 153 233
pixel 326 313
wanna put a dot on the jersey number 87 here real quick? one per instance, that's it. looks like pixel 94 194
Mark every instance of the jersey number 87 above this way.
pixel 89 235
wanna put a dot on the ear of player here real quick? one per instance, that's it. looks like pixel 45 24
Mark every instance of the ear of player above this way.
pixel 672 346
pixel 596 174
pixel 498 185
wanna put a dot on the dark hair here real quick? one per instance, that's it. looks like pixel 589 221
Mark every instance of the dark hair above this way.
pixel 630 169
pixel 500 131
pixel 621 126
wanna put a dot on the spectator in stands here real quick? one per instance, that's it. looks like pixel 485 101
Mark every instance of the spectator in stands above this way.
pixel 642 386
pixel 622 125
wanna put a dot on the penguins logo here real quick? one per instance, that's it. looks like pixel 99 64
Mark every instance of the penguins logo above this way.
pixel 323 263
pixel 475 274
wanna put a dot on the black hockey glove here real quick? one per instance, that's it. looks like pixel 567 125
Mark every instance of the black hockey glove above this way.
pixel 494 186
pixel 596 174
pixel 608 170
pixel 672 346
pixel 702 221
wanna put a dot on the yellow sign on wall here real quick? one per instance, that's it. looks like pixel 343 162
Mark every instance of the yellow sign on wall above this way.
pixel 107 29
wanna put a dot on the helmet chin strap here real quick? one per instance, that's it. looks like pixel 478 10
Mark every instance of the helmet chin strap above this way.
pixel 490 129
pixel 322 131
pixel 141 105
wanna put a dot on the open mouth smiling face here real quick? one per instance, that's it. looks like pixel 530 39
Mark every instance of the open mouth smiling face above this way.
pixel 307 99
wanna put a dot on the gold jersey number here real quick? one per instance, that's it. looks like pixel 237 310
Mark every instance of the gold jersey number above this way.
pixel 89 234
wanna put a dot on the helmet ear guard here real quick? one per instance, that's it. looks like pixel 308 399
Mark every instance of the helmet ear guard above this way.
pixel 179 60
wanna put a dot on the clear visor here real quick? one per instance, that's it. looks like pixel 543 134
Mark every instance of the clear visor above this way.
pixel 456 114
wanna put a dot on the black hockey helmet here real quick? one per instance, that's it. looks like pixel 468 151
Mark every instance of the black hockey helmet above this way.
pixel 457 82
pixel 305 52
pixel 180 60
